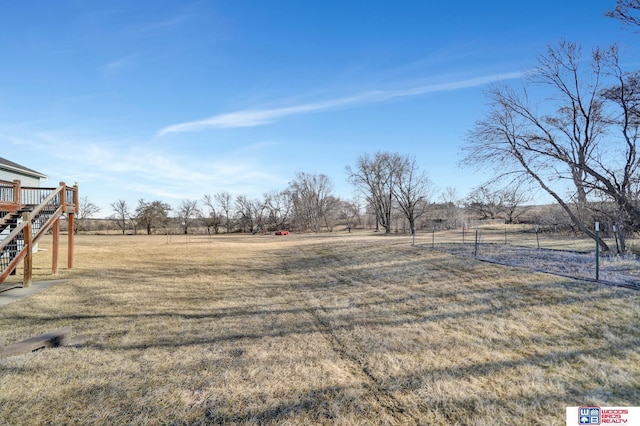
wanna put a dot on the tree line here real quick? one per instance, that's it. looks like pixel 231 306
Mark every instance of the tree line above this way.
pixel 389 183
pixel 391 195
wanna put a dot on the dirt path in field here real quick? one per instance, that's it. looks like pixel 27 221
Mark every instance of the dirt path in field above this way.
pixel 356 366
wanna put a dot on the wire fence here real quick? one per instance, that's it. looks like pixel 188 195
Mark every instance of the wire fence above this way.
pixel 544 251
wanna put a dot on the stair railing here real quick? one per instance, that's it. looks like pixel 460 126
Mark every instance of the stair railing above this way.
pixel 36 221
pixel 12 250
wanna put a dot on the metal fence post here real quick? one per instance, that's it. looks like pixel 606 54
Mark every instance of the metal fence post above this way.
pixel 597 251
pixel 475 250
pixel 433 237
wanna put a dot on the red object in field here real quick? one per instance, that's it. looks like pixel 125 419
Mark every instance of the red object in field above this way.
pixel 282 232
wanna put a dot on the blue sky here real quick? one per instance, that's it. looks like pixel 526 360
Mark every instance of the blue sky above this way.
pixel 172 100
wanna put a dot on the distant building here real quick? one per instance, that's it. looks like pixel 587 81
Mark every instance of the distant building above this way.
pixel 10 171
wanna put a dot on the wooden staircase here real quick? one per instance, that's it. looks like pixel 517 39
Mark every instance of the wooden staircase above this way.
pixel 26 215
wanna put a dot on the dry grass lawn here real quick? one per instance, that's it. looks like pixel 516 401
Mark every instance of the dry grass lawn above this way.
pixel 340 329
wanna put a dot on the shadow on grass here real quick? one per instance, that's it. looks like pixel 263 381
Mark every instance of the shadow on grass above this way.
pixel 309 295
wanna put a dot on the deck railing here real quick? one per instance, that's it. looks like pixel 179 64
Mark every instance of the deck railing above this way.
pixel 8 192
pixel 34 196
pixel 32 212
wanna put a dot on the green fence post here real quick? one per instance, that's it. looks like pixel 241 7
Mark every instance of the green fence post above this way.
pixel 597 251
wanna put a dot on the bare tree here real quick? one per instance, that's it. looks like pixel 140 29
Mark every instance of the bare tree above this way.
pixel 86 210
pixel 451 202
pixel 121 214
pixel 246 212
pixel 375 178
pixel 279 206
pixel 506 203
pixel 349 212
pixel 312 200
pixel 331 211
pixel 618 179
pixel 484 202
pixel 412 191
pixel 152 215
pixel 627 11
pixel 187 211
pixel 568 145
pixel 514 198
pixel 224 201
pixel 213 219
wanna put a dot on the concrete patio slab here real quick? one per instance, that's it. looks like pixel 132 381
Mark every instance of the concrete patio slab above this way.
pixel 17 293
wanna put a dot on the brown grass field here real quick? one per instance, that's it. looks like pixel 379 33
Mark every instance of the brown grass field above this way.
pixel 348 329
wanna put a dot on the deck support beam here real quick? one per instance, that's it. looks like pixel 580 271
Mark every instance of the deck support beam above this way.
pixel 27 277
pixel 55 247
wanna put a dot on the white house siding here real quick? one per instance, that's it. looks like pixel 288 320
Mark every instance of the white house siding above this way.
pixel 25 180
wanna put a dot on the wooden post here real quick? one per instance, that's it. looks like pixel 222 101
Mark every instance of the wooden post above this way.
pixel 63 196
pixel 76 198
pixel 56 226
pixel 17 189
pixel 28 246
pixel 71 225
pixel 56 246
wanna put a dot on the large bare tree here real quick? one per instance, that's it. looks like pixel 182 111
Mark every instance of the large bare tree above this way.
pixel 187 211
pixel 412 190
pixel 224 200
pixel 312 200
pixel 388 181
pixel 246 211
pixel 584 132
pixel 152 215
pixel 375 178
pixel 278 205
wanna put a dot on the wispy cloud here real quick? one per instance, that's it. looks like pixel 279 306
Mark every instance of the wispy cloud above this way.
pixel 108 169
pixel 258 117
pixel 161 25
pixel 119 65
